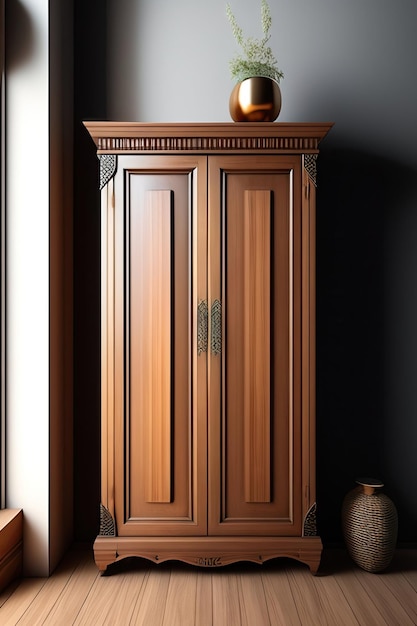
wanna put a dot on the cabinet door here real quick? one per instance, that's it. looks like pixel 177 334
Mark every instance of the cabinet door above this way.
pixel 160 458
pixel 254 393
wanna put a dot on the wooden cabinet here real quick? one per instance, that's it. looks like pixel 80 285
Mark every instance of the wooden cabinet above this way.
pixel 208 342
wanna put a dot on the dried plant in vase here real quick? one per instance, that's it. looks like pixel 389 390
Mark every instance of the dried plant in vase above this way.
pixel 257 58
pixel 256 96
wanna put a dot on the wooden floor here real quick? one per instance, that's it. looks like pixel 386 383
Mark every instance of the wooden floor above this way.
pixel 279 592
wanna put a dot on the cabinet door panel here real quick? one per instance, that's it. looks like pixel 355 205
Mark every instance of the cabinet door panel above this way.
pixel 256 383
pixel 254 401
pixel 160 426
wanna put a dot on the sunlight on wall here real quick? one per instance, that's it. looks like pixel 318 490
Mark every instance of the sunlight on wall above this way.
pixel 28 281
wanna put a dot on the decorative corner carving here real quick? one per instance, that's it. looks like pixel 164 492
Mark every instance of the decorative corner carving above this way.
pixel 310 522
pixel 107 525
pixel 216 327
pixel 310 164
pixel 108 166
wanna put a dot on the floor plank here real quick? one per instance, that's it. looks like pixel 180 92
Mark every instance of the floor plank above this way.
pixel 405 561
pixel 306 597
pixel 253 600
pixel 71 600
pixel 361 604
pixel 20 601
pixel 404 592
pixel 111 598
pixel 180 606
pixel 390 607
pixel 44 603
pixel 204 599
pixel 412 579
pixel 335 604
pixel 9 591
pixel 279 599
pixel 226 599
pixel 280 593
pixel 150 607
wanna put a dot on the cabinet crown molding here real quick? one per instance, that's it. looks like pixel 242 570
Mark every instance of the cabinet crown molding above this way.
pixel 261 137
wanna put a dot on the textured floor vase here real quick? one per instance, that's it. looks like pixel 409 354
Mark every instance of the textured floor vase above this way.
pixel 370 525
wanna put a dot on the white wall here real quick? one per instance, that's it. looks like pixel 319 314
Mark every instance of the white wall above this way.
pixel 352 62
pixel 27 265
pixel 38 424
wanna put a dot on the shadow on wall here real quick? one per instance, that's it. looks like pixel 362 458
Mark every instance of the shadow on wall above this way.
pixel 366 323
pixel 20 34
pixel 90 102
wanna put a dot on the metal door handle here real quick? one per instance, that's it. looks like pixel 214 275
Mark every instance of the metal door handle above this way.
pixel 202 323
pixel 216 327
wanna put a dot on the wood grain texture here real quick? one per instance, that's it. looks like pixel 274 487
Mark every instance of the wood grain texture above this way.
pixel 153 324
pixel 390 607
pixel 11 545
pixel 208 551
pixel 151 598
pixel 16 605
pixel 226 599
pixel 259 137
pixel 73 577
pixel 307 264
pixel 159 420
pixel 106 606
pixel 258 308
pixel 279 593
pixel 180 607
pixel 257 344
pixel 108 328
pixel 72 597
pixel 204 599
pixel 279 598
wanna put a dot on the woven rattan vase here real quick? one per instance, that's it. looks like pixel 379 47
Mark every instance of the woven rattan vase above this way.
pixel 370 525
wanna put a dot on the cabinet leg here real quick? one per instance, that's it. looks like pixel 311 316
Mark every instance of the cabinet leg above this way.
pixel 104 555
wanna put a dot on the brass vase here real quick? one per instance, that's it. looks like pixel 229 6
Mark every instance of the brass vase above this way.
pixel 370 525
pixel 255 99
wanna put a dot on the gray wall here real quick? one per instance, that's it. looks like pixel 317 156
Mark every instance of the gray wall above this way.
pixel 352 63
pixel 348 61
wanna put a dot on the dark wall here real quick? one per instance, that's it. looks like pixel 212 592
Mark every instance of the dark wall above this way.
pixel 89 103
pixel 366 333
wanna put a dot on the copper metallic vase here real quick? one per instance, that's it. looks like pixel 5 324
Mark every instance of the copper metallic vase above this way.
pixel 256 99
